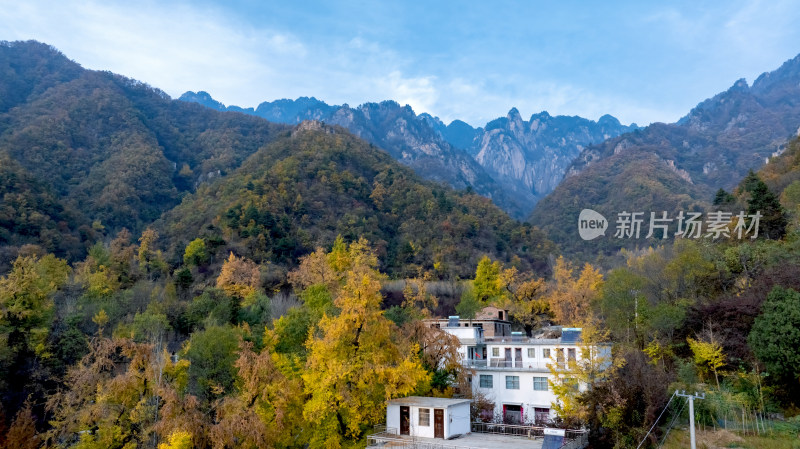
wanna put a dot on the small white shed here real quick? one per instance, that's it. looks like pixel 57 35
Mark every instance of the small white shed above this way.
pixel 428 417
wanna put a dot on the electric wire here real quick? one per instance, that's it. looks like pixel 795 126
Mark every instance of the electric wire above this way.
pixel 672 423
pixel 658 419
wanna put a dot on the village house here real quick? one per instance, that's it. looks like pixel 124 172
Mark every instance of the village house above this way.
pixel 512 370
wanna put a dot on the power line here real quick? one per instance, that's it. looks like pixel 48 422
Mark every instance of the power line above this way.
pixel 657 419
pixel 672 423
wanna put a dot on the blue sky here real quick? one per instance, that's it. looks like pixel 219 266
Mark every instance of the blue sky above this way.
pixel 640 61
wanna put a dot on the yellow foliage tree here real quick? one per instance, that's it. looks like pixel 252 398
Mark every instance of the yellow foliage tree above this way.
pixel 178 440
pixel 239 277
pixel 356 361
pixel 708 355
pixel 570 378
pixel 267 409
pixel 571 299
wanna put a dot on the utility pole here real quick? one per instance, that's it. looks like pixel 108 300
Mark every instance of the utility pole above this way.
pixel 691 398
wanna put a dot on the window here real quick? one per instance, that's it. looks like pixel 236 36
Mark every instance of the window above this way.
pixel 560 357
pixel 545 353
pixel 531 353
pixel 425 417
pixel 540 383
pixel 486 381
pixel 541 414
pixel 571 354
pixel 495 352
pixel 512 382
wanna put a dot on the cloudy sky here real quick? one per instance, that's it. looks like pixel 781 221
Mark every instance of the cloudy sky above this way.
pixel 637 60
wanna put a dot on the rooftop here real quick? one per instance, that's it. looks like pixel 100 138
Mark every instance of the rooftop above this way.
pixel 422 401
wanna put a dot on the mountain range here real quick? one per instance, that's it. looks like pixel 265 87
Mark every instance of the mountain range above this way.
pixel 678 166
pixel 512 161
pixel 85 154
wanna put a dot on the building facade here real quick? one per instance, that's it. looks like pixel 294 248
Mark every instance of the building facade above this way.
pixel 493 321
pixel 512 371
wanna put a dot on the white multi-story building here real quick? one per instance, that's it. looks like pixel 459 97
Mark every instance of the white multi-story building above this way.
pixel 513 371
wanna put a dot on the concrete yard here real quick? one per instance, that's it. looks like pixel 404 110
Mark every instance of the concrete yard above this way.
pixel 472 440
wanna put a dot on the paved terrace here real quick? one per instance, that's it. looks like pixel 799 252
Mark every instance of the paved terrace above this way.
pixel 472 440
pixel 483 436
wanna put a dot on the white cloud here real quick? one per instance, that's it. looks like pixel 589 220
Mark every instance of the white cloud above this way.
pixel 175 47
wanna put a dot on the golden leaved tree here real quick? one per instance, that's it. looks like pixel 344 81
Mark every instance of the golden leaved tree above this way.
pixel 570 378
pixel 267 409
pixel 356 359
pixel 239 277
pixel 571 299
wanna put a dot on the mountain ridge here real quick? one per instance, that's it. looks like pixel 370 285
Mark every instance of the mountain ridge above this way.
pixel 503 163
pixel 713 146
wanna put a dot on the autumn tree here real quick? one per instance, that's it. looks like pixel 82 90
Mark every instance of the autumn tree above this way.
pixel 525 297
pixel 487 284
pixel 438 352
pixel 22 433
pixel 110 398
pixel 239 277
pixel 267 408
pixel 151 259
pixel 571 378
pixel 417 298
pixel 571 299
pixel 26 313
pixel 356 362
pixel 707 355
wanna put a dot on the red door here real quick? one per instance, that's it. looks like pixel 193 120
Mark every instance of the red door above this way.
pixel 438 423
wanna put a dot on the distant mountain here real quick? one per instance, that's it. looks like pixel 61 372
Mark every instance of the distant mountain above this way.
pixel 512 162
pixel 532 156
pixel 712 147
pixel 394 128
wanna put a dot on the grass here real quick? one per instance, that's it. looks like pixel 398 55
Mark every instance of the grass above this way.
pixel 718 439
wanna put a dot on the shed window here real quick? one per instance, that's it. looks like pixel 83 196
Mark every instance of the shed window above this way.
pixel 425 417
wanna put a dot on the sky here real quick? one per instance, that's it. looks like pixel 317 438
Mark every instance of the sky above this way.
pixel 640 61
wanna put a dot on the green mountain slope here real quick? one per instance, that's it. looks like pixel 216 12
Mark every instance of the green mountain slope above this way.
pixel 112 149
pixel 307 187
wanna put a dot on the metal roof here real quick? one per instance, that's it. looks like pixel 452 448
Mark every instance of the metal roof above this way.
pixel 570 335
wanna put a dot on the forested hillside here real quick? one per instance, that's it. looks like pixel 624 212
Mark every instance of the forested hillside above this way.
pixel 712 147
pixel 305 188
pixel 91 152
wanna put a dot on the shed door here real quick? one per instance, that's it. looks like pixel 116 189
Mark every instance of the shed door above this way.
pixel 405 420
pixel 438 423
